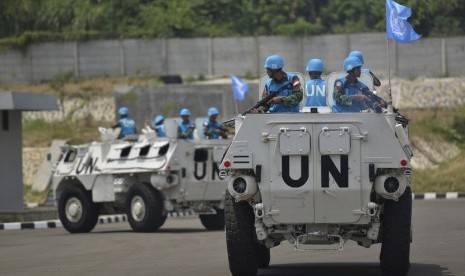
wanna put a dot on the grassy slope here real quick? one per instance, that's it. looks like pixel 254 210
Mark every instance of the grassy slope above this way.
pixel 447 124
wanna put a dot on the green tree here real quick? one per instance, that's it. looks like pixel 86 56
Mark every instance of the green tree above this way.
pixel 14 16
pixel 168 18
pixel 438 17
pixel 353 16
pixel 220 18
pixel 59 15
pixel 55 15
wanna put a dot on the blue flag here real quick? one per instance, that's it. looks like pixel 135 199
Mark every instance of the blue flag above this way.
pixel 239 87
pixel 397 26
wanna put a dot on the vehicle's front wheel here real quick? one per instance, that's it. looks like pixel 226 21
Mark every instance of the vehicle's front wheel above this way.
pixel 396 235
pixel 76 211
pixel 213 222
pixel 240 241
pixel 264 256
pixel 144 208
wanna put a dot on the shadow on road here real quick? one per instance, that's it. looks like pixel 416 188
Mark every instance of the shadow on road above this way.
pixel 185 230
pixel 345 269
pixel 160 231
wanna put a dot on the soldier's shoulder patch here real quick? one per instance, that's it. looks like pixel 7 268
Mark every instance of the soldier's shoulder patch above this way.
pixel 295 82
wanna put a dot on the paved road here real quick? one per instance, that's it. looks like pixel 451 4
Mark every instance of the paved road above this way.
pixel 183 247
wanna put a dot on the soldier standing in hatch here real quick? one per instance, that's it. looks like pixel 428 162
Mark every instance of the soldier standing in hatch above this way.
pixel 157 125
pixel 185 127
pixel 126 124
pixel 290 95
pixel 212 129
pixel 348 96
pixel 316 86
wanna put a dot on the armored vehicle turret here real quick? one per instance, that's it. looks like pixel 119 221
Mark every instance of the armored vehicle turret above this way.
pixel 143 176
pixel 318 180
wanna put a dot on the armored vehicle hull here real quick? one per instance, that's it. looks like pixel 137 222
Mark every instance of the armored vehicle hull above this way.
pixel 317 181
pixel 145 178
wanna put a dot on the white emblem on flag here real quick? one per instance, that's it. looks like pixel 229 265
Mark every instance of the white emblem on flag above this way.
pixel 397 24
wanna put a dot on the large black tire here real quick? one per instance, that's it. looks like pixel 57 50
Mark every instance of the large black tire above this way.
pixel 264 256
pixel 396 235
pixel 76 211
pixel 213 222
pixel 144 208
pixel 240 241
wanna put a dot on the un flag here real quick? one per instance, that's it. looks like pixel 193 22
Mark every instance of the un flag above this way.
pixel 239 87
pixel 397 26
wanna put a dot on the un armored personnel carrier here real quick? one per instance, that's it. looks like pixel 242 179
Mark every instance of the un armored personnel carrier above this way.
pixel 318 180
pixel 145 177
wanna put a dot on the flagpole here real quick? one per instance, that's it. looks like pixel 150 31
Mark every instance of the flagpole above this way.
pixel 389 73
pixel 390 115
pixel 236 109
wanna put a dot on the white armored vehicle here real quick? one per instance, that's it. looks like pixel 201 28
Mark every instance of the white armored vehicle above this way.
pixel 318 180
pixel 145 177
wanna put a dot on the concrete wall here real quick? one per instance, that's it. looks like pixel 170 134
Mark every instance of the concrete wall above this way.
pixel 11 178
pixel 50 59
pixel 430 57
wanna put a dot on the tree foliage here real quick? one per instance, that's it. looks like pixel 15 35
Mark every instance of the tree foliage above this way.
pixel 220 18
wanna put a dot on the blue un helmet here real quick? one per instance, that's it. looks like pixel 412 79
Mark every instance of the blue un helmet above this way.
pixel 315 65
pixel 123 111
pixel 358 55
pixel 158 119
pixel 350 63
pixel 212 111
pixel 274 62
pixel 184 112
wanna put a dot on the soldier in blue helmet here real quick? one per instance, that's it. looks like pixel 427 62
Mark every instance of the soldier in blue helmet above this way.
pixel 352 95
pixel 290 91
pixel 126 124
pixel 316 86
pixel 212 128
pixel 359 55
pixel 185 127
pixel 157 125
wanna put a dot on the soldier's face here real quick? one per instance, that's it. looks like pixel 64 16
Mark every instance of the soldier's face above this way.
pixel 269 72
pixel 358 71
pixel 275 74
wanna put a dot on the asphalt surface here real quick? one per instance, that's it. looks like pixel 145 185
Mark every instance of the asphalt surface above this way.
pixel 184 247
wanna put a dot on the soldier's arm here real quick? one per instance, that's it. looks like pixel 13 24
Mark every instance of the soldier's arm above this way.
pixel 116 125
pixel 180 134
pixel 185 134
pixel 220 130
pixel 150 124
pixel 297 93
pixel 339 96
pixel 189 132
